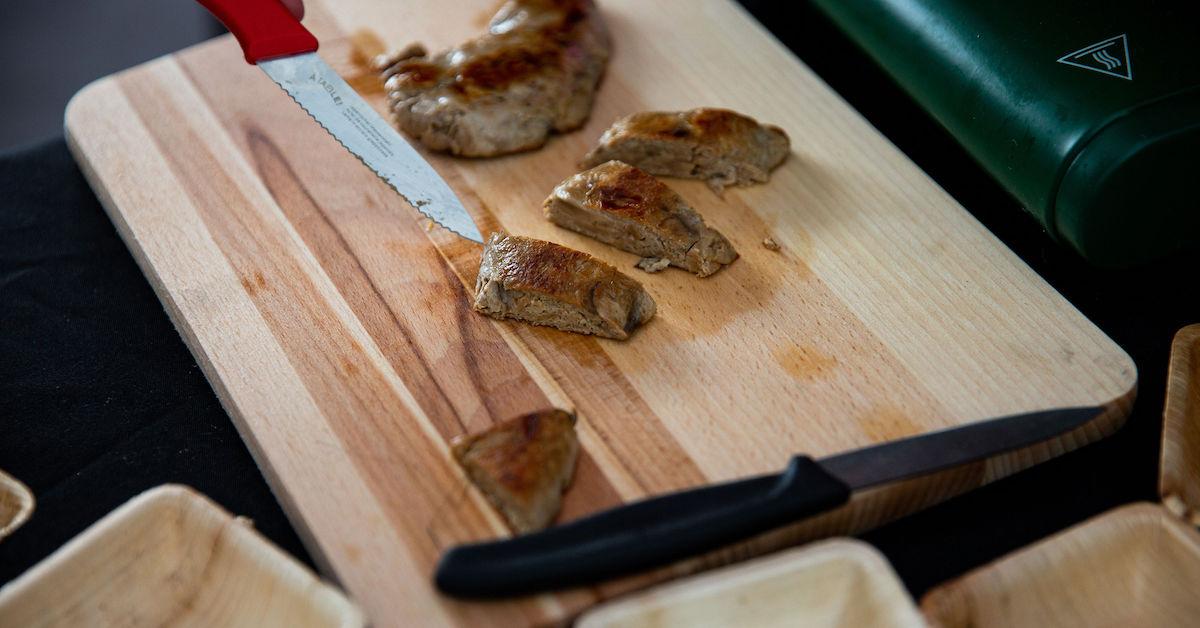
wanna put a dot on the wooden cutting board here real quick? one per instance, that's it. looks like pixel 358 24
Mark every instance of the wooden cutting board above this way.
pixel 334 322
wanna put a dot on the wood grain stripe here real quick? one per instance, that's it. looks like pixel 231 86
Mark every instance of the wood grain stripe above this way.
pixel 277 281
pixel 404 468
pixel 383 289
pixel 234 346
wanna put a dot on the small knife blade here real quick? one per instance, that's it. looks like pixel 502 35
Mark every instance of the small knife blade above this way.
pixel 276 41
pixel 671 527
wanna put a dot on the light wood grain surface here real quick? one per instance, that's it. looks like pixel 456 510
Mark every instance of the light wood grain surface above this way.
pixel 1137 565
pixel 833 583
pixel 171 557
pixel 336 328
pixel 16 504
pixel 1179 478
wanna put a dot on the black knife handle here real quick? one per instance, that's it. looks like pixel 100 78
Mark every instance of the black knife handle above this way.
pixel 640 535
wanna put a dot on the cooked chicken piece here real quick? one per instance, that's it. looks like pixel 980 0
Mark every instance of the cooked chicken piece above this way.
pixel 522 465
pixel 720 146
pixel 546 284
pixel 534 72
pixel 628 208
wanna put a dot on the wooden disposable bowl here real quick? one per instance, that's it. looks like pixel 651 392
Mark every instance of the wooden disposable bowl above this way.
pixel 1137 565
pixel 833 583
pixel 171 556
pixel 1179 474
pixel 16 504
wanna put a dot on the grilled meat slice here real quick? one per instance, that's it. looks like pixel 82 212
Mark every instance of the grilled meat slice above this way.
pixel 720 146
pixel 533 73
pixel 522 465
pixel 628 208
pixel 546 284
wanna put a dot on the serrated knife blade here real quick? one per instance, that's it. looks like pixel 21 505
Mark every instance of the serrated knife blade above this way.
pixel 353 123
pixel 276 41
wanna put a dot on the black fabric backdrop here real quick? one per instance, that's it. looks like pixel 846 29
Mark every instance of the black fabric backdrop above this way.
pixel 100 399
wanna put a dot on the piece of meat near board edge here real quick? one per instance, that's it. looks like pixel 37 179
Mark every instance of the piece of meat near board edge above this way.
pixel 720 146
pixel 522 465
pixel 624 206
pixel 533 73
pixel 547 284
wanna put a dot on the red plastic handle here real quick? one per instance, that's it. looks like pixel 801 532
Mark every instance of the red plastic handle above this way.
pixel 264 28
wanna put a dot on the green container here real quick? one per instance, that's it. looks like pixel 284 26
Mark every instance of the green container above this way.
pixel 1087 112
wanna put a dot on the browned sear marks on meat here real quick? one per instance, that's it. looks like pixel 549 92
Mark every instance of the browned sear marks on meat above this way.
pixel 528 265
pixel 548 284
pixel 505 66
pixel 627 191
pixel 720 146
pixel 534 73
pixel 522 465
pixel 630 209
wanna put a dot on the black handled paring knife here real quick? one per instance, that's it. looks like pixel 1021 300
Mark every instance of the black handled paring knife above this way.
pixel 671 527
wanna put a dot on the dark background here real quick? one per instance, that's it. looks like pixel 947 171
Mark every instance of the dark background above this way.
pixel 100 399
